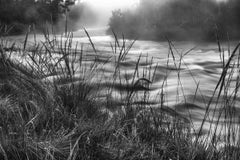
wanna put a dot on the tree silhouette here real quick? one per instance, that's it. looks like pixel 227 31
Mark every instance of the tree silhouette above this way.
pixel 27 12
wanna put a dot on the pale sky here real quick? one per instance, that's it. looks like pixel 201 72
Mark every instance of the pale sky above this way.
pixel 112 4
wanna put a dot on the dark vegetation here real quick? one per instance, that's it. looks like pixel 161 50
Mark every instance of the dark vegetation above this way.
pixel 20 14
pixel 179 20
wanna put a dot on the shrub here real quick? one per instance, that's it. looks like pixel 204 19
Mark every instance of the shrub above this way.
pixel 178 20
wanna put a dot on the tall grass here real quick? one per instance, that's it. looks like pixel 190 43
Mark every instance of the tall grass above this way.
pixel 53 108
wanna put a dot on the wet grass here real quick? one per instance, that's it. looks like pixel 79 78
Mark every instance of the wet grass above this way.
pixel 52 106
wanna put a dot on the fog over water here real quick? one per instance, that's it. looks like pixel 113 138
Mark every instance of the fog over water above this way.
pixel 103 9
pixel 200 69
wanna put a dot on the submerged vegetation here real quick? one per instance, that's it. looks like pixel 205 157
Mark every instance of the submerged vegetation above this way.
pixel 179 20
pixel 54 105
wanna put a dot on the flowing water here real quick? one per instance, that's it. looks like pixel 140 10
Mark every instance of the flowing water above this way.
pixel 185 73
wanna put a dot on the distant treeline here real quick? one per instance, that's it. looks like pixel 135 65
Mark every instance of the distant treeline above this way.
pixel 179 20
pixel 22 13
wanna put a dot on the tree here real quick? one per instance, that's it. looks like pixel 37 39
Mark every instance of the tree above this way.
pixel 26 12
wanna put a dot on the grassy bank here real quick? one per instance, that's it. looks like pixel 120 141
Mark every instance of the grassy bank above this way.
pixel 51 107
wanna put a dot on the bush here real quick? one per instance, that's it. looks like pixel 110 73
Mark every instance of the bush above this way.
pixel 21 14
pixel 178 20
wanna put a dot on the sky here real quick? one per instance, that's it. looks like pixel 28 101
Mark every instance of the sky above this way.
pixel 112 3
pixel 116 3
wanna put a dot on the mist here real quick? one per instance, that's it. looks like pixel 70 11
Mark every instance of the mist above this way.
pixel 97 13
pixel 79 16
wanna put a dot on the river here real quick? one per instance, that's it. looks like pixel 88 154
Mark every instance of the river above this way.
pixel 185 73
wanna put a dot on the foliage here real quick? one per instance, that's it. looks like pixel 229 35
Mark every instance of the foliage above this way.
pixel 178 20
pixel 23 13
